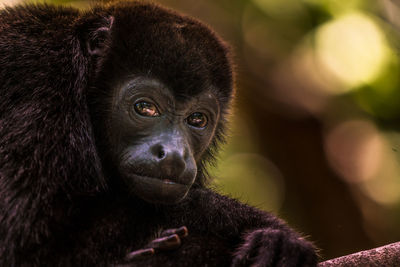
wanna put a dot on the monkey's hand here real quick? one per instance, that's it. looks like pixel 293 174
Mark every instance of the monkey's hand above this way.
pixel 274 247
pixel 169 239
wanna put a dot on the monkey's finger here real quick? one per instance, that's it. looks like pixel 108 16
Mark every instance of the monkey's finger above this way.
pixel 139 254
pixel 166 243
pixel 181 232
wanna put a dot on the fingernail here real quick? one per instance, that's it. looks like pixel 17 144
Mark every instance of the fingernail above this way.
pixel 173 238
pixel 148 252
pixel 182 232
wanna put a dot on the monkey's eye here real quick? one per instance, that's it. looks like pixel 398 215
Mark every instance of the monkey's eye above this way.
pixel 197 119
pixel 146 109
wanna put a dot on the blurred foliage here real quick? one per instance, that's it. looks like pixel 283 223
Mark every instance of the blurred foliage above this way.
pixel 315 129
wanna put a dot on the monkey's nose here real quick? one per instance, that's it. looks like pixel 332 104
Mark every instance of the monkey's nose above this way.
pixel 170 160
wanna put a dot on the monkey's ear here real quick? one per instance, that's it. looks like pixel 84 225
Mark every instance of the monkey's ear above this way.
pixel 98 39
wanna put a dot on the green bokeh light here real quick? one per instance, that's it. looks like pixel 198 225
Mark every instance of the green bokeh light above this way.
pixel 353 48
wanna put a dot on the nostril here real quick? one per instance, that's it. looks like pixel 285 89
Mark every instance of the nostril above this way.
pixel 161 153
pixel 158 151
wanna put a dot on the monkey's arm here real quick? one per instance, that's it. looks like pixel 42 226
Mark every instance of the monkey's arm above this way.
pixel 256 237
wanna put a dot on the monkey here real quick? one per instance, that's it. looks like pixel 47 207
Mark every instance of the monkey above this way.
pixel 108 119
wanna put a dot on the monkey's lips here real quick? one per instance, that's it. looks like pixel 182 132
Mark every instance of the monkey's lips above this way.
pixel 157 190
pixel 166 181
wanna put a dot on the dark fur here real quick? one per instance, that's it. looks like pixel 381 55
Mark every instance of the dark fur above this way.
pixel 60 203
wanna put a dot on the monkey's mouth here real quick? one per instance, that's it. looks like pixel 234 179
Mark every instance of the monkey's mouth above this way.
pixel 155 180
pixel 166 181
pixel 157 190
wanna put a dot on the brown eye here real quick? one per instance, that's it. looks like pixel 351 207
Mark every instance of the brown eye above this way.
pixel 146 109
pixel 197 119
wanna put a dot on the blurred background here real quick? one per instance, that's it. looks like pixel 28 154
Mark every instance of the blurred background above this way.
pixel 315 132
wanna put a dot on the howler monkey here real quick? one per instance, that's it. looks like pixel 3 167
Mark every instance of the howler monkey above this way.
pixel 107 119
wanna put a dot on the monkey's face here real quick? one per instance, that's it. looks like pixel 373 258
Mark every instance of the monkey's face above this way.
pixel 158 138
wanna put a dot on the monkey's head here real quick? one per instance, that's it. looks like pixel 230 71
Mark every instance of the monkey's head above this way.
pixel 161 92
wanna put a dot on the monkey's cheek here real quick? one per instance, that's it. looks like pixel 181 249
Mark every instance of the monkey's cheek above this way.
pixel 157 191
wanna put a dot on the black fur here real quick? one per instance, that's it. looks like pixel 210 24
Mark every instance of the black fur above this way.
pixel 61 202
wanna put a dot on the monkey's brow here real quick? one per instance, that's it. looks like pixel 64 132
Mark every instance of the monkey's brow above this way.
pixel 176 113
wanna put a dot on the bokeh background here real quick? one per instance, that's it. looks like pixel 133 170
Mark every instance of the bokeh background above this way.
pixel 315 128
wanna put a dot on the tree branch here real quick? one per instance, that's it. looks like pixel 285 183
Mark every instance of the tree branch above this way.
pixel 388 256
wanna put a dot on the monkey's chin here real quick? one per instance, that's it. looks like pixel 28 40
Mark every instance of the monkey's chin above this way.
pixel 155 190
